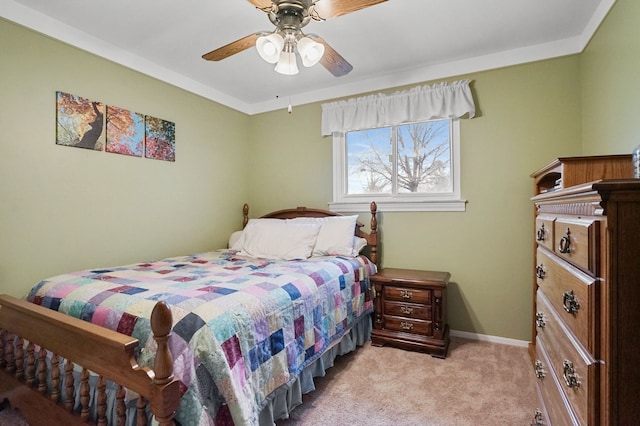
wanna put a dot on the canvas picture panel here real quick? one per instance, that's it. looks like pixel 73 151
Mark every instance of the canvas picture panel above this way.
pixel 160 141
pixel 125 131
pixel 79 122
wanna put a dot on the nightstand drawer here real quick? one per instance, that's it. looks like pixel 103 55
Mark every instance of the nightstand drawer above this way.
pixel 407 325
pixel 408 310
pixel 404 294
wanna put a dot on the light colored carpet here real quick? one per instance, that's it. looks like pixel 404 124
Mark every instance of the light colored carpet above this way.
pixel 479 383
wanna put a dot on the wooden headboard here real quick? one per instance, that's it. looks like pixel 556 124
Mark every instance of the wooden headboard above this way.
pixel 371 236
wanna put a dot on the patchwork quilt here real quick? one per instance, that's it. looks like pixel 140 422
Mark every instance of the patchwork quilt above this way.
pixel 242 326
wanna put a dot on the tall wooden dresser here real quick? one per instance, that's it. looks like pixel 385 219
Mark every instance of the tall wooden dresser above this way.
pixel 586 346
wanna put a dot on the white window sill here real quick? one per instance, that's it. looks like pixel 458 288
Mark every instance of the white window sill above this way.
pixel 400 206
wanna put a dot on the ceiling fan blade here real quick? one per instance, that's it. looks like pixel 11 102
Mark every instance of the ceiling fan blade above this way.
pixel 232 48
pixel 261 4
pixel 332 60
pixel 330 8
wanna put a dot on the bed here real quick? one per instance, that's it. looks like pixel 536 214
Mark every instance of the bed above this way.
pixel 232 336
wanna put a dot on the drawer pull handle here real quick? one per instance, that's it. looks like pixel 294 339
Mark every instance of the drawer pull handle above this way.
pixel 540 320
pixel 537 418
pixel 540 234
pixel 406 325
pixel 570 302
pixel 539 369
pixel 569 374
pixel 406 294
pixel 407 310
pixel 540 271
pixel 565 243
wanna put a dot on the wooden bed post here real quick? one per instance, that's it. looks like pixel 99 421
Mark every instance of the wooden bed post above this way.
pixel 245 215
pixel 374 232
pixel 165 393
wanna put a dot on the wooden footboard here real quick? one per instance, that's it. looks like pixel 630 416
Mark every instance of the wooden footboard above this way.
pixel 31 334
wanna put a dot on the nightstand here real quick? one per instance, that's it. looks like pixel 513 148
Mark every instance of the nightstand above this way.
pixel 411 310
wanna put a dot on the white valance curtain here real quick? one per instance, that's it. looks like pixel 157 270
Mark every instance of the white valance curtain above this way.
pixel 437 101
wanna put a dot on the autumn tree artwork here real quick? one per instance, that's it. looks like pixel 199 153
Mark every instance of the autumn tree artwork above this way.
pixel 160 139
pixel 79 122
pixel 125 131
pixel 83 123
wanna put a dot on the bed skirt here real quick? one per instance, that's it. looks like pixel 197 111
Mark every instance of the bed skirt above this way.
pixel 287 397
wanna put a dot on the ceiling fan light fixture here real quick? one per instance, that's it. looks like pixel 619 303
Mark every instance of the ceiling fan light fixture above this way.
pixel 310 51
pixel 269 47
pixel 288 64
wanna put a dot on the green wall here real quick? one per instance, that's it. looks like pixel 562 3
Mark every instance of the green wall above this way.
pixel 610 87
pixel 65 208
pixel 528 115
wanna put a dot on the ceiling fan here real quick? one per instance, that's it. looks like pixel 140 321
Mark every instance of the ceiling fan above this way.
pixel 280 46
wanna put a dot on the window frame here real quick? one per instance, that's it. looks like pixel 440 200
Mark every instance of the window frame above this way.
pixel 343 202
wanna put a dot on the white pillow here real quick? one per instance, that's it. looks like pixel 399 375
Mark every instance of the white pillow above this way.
pixel 234 238
pixel 336 236
pixel 278 239
pixel 358 245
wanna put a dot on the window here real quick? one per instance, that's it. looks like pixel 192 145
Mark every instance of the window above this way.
pixel 407 167
pixel 401 150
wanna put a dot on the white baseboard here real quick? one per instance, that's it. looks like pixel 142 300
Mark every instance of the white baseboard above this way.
pixel 488 338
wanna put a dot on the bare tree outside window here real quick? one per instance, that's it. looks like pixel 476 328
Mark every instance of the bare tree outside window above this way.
pixel 411 158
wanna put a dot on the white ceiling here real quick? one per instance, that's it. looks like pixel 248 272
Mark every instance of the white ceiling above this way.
pixel 391 44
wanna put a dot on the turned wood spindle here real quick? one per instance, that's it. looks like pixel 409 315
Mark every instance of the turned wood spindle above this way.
pixel 102 401
pixel 68 375
pixel 9 355
pixel 121 409
pixel 31 365
pixel 141 406
pixel 19 358
pixel 55 378
pixel 84 395
pixel 42 370
pixel 3 337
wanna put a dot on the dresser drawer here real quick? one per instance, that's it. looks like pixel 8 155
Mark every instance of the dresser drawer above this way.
pixel 576 369
pixel 572 293
pixel 576 240
pixel 544 231
pixel 407 310
pixel 406 294
pixel 554 404
pixel 406 325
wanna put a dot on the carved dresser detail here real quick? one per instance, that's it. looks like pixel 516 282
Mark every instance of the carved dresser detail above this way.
pixel 586 325
pixel 411 310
